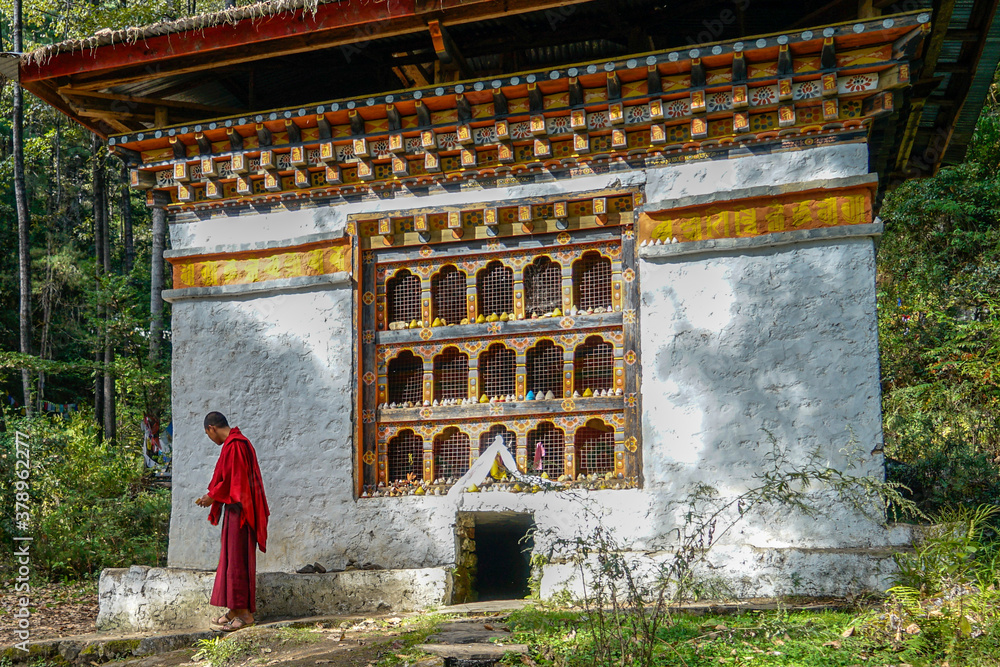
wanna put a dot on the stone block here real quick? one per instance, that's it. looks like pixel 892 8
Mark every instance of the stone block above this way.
pixel 144 599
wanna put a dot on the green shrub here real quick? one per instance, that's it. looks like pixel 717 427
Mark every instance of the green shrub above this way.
pixel 91 508
pixel 945 603
pixel 941 479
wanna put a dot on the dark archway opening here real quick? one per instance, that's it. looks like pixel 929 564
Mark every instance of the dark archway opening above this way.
pixel 504 542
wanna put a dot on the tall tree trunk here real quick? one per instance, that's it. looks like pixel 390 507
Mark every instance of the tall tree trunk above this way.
pixel 23 222
pixel 127 239
pixel 110 423
pixel 109 349
pixel 100 228
pixel 156 283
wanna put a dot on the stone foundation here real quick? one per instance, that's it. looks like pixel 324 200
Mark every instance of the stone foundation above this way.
pixel 144 599
pixel 743 573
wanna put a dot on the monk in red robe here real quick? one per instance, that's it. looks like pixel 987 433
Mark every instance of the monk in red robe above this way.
pixel 237 487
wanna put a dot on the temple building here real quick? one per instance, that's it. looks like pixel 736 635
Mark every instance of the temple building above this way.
pixel 635 240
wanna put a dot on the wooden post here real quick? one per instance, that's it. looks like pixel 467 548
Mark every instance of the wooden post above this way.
pixel 474 377
pixel 470 295
pixel 568 354
pixel 569 459
pixel 632 380
pixel 156 282
pixel 429 380
pixel 522 376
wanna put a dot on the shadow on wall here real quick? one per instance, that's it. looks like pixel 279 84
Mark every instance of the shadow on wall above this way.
pixel 744 347
pixel 281 367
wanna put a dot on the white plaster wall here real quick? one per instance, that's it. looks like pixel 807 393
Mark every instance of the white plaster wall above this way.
pixel 708 177
pixel 280 368
pixel 742 348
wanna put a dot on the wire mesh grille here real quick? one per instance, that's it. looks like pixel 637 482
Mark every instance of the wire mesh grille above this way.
pixel 593 365
pixel 402 293
pixel 405 378
pixel 406 452
pixel 452 453
pixel 595 450
pixel 592 282
pixel 545 368
pixel 497 371
pixel 542 286
pixel 448 290
pixel 553 443
pixel 509 438
pixel 451 375
pixel 495 289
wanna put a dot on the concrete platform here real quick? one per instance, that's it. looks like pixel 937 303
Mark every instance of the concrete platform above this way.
pixel 144 599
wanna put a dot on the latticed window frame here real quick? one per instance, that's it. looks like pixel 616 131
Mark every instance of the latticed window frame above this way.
pixel 582 382
pixel 392 287
pixel 396 473
pixel 459 447
pixel 553 376
pixel 488 305
pixel 410 394
pixel 553 439
pixel 460 392
pixel 570 297
pixel 453 313
pixel 579 267
pixel 536 277
pixel 584 442
pixel 494 381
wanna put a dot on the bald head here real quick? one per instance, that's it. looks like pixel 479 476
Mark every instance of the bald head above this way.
pixel 216 427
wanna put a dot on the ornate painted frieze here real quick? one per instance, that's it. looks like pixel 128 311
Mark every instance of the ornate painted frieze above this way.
pixel 261 266
pixel 813 83
pixel 757 216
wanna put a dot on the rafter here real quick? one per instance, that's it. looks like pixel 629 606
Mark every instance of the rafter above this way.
pixel 226 45
pixel 67 91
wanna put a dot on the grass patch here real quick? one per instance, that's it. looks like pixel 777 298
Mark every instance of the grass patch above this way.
pixel 238 647
pixel 414 630
pixel 750 639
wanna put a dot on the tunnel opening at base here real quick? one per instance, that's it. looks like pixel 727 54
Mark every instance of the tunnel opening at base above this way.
pixel 497 554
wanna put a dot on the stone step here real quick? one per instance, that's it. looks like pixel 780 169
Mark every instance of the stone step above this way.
pixel 98 648
pixel 473 651
pixel 471 625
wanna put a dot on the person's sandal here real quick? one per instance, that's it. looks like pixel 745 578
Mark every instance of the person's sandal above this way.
pixel 224 619
pixel 232 626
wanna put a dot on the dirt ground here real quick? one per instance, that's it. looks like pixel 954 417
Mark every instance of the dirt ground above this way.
pixel 57 610
pixel 362 644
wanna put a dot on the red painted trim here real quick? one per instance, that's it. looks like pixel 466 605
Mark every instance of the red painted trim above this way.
pixel 336 15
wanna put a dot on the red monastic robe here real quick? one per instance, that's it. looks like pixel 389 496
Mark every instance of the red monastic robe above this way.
pixel 237 484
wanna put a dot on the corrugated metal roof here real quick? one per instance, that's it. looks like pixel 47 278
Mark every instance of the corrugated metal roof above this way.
pixel 965 124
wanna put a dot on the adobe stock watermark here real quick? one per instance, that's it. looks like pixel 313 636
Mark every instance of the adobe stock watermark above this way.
pixel 22 542
pixel 713 28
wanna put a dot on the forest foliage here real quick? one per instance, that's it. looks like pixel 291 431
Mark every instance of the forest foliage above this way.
pixel 938 315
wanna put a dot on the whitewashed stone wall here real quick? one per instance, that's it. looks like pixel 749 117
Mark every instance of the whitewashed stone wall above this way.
pixel 737 344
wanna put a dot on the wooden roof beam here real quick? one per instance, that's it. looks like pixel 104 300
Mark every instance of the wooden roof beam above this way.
pixel 446 49
pixel 224 46
pixel 69 91
pixel 962 35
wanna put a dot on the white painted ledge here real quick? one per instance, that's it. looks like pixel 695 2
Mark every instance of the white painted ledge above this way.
pixel 233 248
pixel 720 246
pixel 268 288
